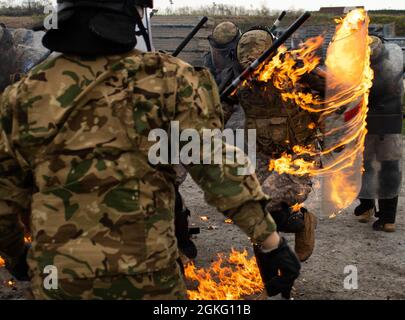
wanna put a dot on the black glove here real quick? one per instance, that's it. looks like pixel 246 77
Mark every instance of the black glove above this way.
pixel 279 269
pixel 288 221
pixel 19 267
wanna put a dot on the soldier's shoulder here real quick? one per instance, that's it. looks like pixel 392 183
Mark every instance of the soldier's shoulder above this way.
pixel 163 60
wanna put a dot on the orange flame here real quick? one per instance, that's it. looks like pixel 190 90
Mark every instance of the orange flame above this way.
pixel 27 239
pixel 297 207
pixel 226 279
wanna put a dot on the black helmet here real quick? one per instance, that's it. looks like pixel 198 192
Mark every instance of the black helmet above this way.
pixel 92 27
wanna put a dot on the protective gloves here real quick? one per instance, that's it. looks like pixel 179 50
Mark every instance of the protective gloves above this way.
pixel 279 269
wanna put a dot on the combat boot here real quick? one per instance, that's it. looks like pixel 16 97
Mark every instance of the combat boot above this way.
pixel 365 210
pixel 305 240
pixel 387 215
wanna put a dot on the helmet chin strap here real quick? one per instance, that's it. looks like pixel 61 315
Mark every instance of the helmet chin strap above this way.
pixel 139 13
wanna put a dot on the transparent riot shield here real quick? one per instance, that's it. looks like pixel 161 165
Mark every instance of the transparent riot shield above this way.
pixel 349 78
pixel 382 178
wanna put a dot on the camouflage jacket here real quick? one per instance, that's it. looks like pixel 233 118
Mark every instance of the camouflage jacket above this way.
pixel 280 125
pixel 74 153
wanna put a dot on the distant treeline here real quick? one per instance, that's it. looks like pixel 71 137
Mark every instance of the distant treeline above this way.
pixel 218 10
pixel 388 12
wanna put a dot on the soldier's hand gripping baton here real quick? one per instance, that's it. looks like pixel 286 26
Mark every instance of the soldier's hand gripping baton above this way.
pixel 190 36
pixel 278 21
pixel 276 44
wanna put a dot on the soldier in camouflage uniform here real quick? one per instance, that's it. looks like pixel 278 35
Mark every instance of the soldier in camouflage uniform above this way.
pixel 223 42
pixel 74 150
pixel 219 60
pixel 279 126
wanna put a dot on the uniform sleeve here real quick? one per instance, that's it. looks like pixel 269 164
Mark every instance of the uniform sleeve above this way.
pixel 14 197
pixel 239 197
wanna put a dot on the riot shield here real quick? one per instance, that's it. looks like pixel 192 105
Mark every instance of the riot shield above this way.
pixel 349 78
pixel 8 65
pixel 382 178
pixel 29 49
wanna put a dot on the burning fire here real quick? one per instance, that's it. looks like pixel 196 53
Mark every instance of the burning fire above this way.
pixel 297 207
pixel 27 239
pixel 342 113
pixel 231 278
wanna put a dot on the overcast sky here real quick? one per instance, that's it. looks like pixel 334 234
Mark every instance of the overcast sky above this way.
pixel 288 4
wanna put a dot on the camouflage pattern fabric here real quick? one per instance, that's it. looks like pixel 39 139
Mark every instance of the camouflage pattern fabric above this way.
pixel 251 45
pixel 279 125
pixel 74 150
pixel 165 284
pixel 284 187
pixel 225 32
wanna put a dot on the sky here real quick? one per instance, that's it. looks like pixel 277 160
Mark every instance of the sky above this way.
pixel 288 4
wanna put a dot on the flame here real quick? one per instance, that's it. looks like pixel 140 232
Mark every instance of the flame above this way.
pixel 11 283
pixel 231 278
pixel 297 207
pixel 27 239
pixel 204 218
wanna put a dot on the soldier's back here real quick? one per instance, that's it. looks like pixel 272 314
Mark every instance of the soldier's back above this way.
pixel 81 126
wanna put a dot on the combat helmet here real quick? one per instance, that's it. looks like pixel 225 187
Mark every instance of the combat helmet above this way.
pixel 98 27
pixel 252 44
pixel 223 42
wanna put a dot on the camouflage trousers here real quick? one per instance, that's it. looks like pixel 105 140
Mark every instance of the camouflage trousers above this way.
pixel 166 284
pixel 281 188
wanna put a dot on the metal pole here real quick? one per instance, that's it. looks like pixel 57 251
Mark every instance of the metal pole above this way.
pixel 278 21
pixel 186 41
